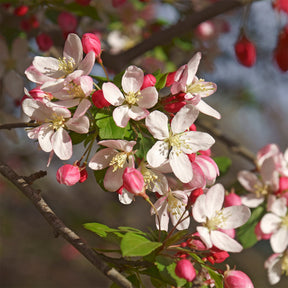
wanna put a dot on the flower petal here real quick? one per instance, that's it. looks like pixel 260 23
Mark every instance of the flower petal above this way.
pixel 192 67
pixel 126 197
pixel 73 48
pixel 102 158
pixel 112 94
pixel 87 63
pixel 132 79
pixel 121 116
pixel 157 154
pixel 205 236
pixel 148 98
pixel 199 209
pixel 270 223
pixel 223 242
pixel 279 240
pixel 122 145
pixel 62 144
pixel 208 110
pixel 214 200
pixel 137 113
pixel 157 124
pixel 235 216
pixel 113 180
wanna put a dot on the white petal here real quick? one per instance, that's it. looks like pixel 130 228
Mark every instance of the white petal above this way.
pixel 87 63
pixel 157 154
pixel 73 48
pixel 214 200
pixel 161 206
pixel 112 94
pixel 208 110
pixel 84 105
pixel 223 242
pixel 205 236
pixel 275 271
pixel 181 166
pixel 199 209
pixel 47 65
pixel 78 125
pixel 248 180
pixel 235 216
pixel 157 124
pixel 126 197
pixel 121 116
pixel 113 180
pixel 195 141
pixel 193 66
pixel 270 223
pixel 148 97
pixel 122 145
pixel 62 144
pixel 251 200
pixel 279 207
pixel 137 113
pixel 102 159
pixel 36 76
pixel 132 79
pixel 184 119
pixel 279 240
pixel 175 217
pixel 44 137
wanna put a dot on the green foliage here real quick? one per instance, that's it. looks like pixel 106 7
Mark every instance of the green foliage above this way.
pixel 245 233
pixel 223 164
pixel 143 146
pixel 218 278
pixel 136 245
pixel 108 129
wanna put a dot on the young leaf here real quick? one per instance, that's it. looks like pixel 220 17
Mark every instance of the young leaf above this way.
pixel 223 164
pixel 245 233
pixel 98 228
pixel 176 237
pixel 136 245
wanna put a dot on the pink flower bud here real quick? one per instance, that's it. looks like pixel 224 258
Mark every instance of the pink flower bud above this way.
pixel 283 184
pixel 185 269
pixel 217 256
pixel 68 174
pixel 44 42
pixel 170 79
pixel 21 10
pixel 133 181
pixel 91 42
pixel 149 81
pixel 232 199
pixel 237 279
pixel 259 233
pixel 245 51
pixel 99 100
pixel 67 22
pixel 194 195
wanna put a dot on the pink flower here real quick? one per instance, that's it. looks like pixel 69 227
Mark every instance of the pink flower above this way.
pixel 237 279
pixel 68 174
pixel 175 143
pixel 91 42
pixel 134 102
pixel 185 269
pixel 208 210
pixel 195 89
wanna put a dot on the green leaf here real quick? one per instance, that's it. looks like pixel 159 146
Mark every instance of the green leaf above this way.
pixel 100 229
pixel 223 164
pixel 131 229
pixel 245 233
pixel 132 278
pixel 143 146
pixel 99 176
pixel 176 237
pixel 166 267
pixel 136 245
pixel 218 278
pixel 109 130
pixel 183 44
pixel 161 82
pixel 117 80
pixel 76 137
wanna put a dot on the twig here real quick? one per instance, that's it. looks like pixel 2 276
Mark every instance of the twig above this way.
pixel 230 143
pixel 10 126
pixel 159 38
pixel 60 228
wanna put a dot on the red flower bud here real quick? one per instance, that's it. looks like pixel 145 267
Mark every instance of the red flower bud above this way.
pixel 91 42
pixel 185 269
pixel 281 51
pixel 170 79
pixel 237 279
pixel 68 174
pixel 21 10
pixel 44 42
pixel 133 181
pixel 245 51
pixel 99 100
pixel 149 81
pixel 195 194
pixel 67 22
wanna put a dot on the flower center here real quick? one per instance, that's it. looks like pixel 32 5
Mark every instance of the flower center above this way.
pixel 174 205
pixel 284 264
pixel 67 65
pixel 132 98
pixel 118 160
pixel 149 177
pixel 177 142
pixel 57 121
pixel 261 190
pixel 198 87
pixel 75 90
pixel 217 221
pixel 285 221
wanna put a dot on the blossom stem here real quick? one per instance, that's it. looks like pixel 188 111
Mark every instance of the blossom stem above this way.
pixel 104 69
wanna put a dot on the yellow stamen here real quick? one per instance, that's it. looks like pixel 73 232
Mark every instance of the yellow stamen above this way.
pixel 118 160
pixel 216 221
pixel 199 87
pixel 67 65
pixel 132 98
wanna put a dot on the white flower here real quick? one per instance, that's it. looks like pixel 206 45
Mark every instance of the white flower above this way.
pixel 176 143
pixel 116 157
pixel 53 121
pixel 195 89
pixel 134 102
pixel 276 265
pixel 46 68
pixel 276 223
pixel 208 210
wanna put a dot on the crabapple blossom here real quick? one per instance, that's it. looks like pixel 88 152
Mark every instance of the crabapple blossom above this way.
pixel 117 156
pixel 208 210
pixel 53 121
pixel 134 102
pixel 71 61
pixel 195 89
pixel 277 265
pixel 175 143
pixel 276 222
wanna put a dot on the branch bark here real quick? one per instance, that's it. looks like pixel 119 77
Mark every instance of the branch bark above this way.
pixel 120 61
pixel 60 228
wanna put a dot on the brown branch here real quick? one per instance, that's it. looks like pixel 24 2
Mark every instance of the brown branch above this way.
pixel 60 228
pixel 230 143
pixel 121 60
pixel 10 126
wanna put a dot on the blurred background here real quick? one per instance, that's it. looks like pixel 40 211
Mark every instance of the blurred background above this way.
pixel 252 102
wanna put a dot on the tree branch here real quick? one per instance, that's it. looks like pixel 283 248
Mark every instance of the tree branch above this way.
pixel 121 60
pixel 10 126
pixel 60 228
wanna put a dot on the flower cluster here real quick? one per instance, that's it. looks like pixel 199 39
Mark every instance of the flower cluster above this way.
pixel 144 149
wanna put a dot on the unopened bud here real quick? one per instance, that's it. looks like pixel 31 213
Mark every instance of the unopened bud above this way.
pixel 133 181
pixel 149 81
pixel 236 279
pixel 68 174
pixel 91 42
pixel 245 51
pixel 185 269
